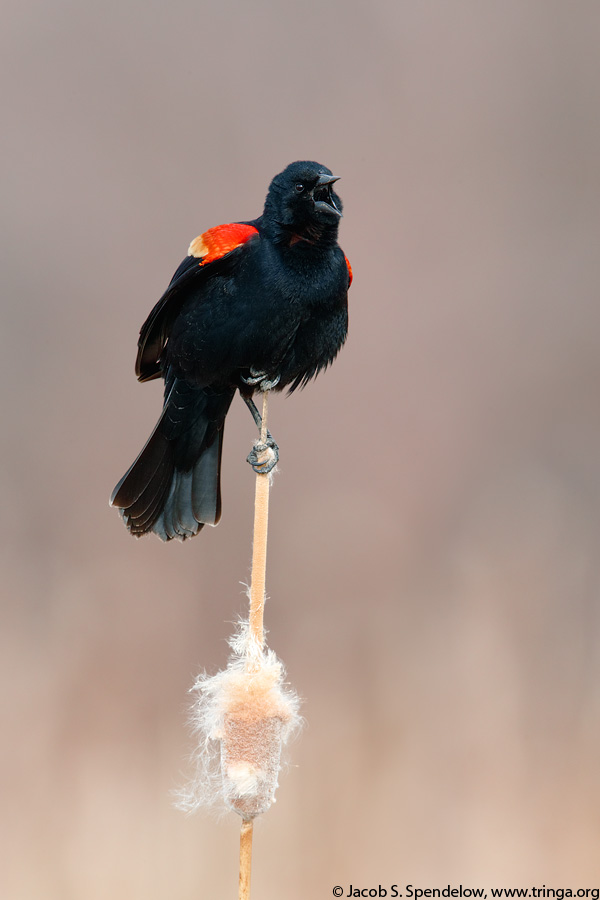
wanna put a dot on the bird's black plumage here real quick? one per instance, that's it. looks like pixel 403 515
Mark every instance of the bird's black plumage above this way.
pixel 255 305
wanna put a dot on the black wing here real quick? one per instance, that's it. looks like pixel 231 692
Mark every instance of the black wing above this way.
pixel 187 280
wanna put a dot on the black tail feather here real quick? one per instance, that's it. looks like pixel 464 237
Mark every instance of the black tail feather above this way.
pixel 173 488
pixel 206 490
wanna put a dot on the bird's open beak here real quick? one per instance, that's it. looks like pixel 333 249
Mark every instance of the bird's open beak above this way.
pixel 322 193
pixel 327 179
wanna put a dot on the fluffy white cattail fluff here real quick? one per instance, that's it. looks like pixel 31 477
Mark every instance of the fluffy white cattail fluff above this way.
pixel 242 717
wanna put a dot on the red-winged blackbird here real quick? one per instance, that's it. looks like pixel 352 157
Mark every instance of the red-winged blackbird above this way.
pixel 255 305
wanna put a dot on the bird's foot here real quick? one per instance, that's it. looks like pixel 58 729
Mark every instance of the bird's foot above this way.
pixel 264 456
pixel 261 380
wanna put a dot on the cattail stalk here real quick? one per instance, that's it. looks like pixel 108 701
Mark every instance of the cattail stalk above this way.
pixel 245 859
pixel 255 624
pixel 259 549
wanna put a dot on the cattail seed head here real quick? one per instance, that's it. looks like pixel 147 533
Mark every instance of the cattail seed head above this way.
pixel 242 716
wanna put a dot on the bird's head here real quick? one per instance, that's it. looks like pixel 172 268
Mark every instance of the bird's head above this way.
pixel 301 202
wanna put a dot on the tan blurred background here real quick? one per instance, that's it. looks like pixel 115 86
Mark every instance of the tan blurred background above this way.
pixel 434 578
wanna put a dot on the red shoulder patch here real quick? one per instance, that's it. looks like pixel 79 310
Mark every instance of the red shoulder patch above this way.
pixel 349 269
pixel 218 241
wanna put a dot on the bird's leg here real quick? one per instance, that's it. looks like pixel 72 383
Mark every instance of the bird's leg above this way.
pixel 264 456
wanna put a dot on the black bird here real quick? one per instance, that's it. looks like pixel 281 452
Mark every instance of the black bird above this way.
pixel 258 305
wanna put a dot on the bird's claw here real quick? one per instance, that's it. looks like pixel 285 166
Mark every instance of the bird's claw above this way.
pixel 261 380
pixel 264 456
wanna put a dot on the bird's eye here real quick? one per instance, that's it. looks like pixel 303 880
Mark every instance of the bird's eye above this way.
pixel 299 187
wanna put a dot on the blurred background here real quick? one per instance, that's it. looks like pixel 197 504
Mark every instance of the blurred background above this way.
pixel 434 549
